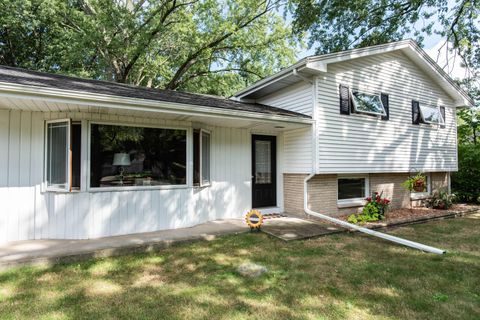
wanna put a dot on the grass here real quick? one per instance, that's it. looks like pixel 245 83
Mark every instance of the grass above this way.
pixel 334 277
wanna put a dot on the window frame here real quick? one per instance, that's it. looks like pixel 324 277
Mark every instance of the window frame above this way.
pixel 354 104
pixel 353 202
pixel 440 123
pixel 188 134
pixel 201 182
pixel 68 186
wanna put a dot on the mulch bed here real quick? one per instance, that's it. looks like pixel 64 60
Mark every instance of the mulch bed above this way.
pixel 420 214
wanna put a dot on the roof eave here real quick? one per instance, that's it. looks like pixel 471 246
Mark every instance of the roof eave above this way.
pixel 119 102
pixel 319 64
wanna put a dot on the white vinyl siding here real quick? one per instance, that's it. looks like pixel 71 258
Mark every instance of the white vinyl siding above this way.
pixel 298 151
pixel 364 144
pixel 298 98
pixel 29 213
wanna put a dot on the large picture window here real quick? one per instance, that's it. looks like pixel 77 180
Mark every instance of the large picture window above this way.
pixel 137 156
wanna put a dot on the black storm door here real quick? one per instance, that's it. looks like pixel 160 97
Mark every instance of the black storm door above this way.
pixel 264 168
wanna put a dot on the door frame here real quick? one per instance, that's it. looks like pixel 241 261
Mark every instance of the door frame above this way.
pixel 274 151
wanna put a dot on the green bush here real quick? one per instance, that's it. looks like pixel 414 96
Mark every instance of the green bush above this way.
pixel 466 182
pixel 374 210
pixel 440 199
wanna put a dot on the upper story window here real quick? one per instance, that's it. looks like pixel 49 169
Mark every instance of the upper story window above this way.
pixel 354 101
pixel 137 156
pixel 423 113
pixel 368 103
pixel 431 114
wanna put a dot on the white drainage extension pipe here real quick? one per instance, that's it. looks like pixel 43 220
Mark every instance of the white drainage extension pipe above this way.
pixel 347 225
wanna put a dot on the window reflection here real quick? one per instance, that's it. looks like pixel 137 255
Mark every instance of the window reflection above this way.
pixel 136 156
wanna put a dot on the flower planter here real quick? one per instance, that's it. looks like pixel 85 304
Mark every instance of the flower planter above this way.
pixel 419 185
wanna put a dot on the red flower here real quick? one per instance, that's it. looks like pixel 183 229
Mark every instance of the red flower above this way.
pixel 369 199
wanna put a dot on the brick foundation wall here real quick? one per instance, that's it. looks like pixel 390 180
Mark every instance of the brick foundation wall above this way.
pixel 293 192
pixel 391 185
pixel 322 191
pixel 439 180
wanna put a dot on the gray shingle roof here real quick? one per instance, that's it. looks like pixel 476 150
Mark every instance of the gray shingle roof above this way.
pixel 56 81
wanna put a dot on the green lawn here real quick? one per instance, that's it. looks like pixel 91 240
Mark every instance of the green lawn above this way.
pixel 338 277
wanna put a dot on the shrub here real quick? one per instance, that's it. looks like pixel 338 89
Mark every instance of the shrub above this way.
pixel 374 210
pixel 440 199
pixel 466 182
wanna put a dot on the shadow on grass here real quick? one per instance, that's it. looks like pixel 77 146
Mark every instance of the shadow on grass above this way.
pixel 339 276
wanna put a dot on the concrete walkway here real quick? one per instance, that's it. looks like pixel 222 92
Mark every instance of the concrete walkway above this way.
pixel 51 251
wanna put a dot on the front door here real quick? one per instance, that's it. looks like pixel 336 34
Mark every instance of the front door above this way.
pixel 264 168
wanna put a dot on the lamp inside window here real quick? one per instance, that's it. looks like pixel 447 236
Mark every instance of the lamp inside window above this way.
pixel 431 114
pixel 368 103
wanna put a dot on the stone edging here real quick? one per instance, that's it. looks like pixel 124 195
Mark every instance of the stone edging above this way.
pixel 431 217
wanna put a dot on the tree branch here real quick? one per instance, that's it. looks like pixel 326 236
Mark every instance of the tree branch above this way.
pixel 192 58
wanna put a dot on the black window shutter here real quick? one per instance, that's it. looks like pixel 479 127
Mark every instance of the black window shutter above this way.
pixel 344 100
pixel 384 98
pixel 415 112
pixel 442 111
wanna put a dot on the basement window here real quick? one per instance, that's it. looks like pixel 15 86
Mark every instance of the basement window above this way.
pixel 368 103
pixel 414 195
pixel 352 190
pixel 431 114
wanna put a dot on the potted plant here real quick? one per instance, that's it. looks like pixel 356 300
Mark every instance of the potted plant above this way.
pixel 417 183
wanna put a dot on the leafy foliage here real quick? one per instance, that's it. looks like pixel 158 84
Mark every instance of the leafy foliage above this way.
pixel 440 199
pixel 374 210
pixel 466 182
pixel 415 183
pixel 339 25
pixel 205 46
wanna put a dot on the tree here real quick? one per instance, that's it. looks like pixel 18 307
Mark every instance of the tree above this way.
pixel 205 46
pixel 336 25
pixel 468 124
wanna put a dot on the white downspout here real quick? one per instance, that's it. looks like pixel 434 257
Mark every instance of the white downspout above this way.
pixel 347 225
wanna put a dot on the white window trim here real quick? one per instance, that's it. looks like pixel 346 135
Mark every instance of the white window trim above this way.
pixel 201 182
pixel 425 194
pixel 441 122
pixel 353 202
pixel 188 132
pixel 69 160
pixel 384 113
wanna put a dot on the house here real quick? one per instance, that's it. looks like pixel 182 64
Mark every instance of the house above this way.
pixel 86 159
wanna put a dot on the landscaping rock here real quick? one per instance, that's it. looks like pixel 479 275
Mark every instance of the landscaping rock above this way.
pixel 251 270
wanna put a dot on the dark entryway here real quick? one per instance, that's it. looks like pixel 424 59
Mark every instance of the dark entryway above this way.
pixel 264 168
